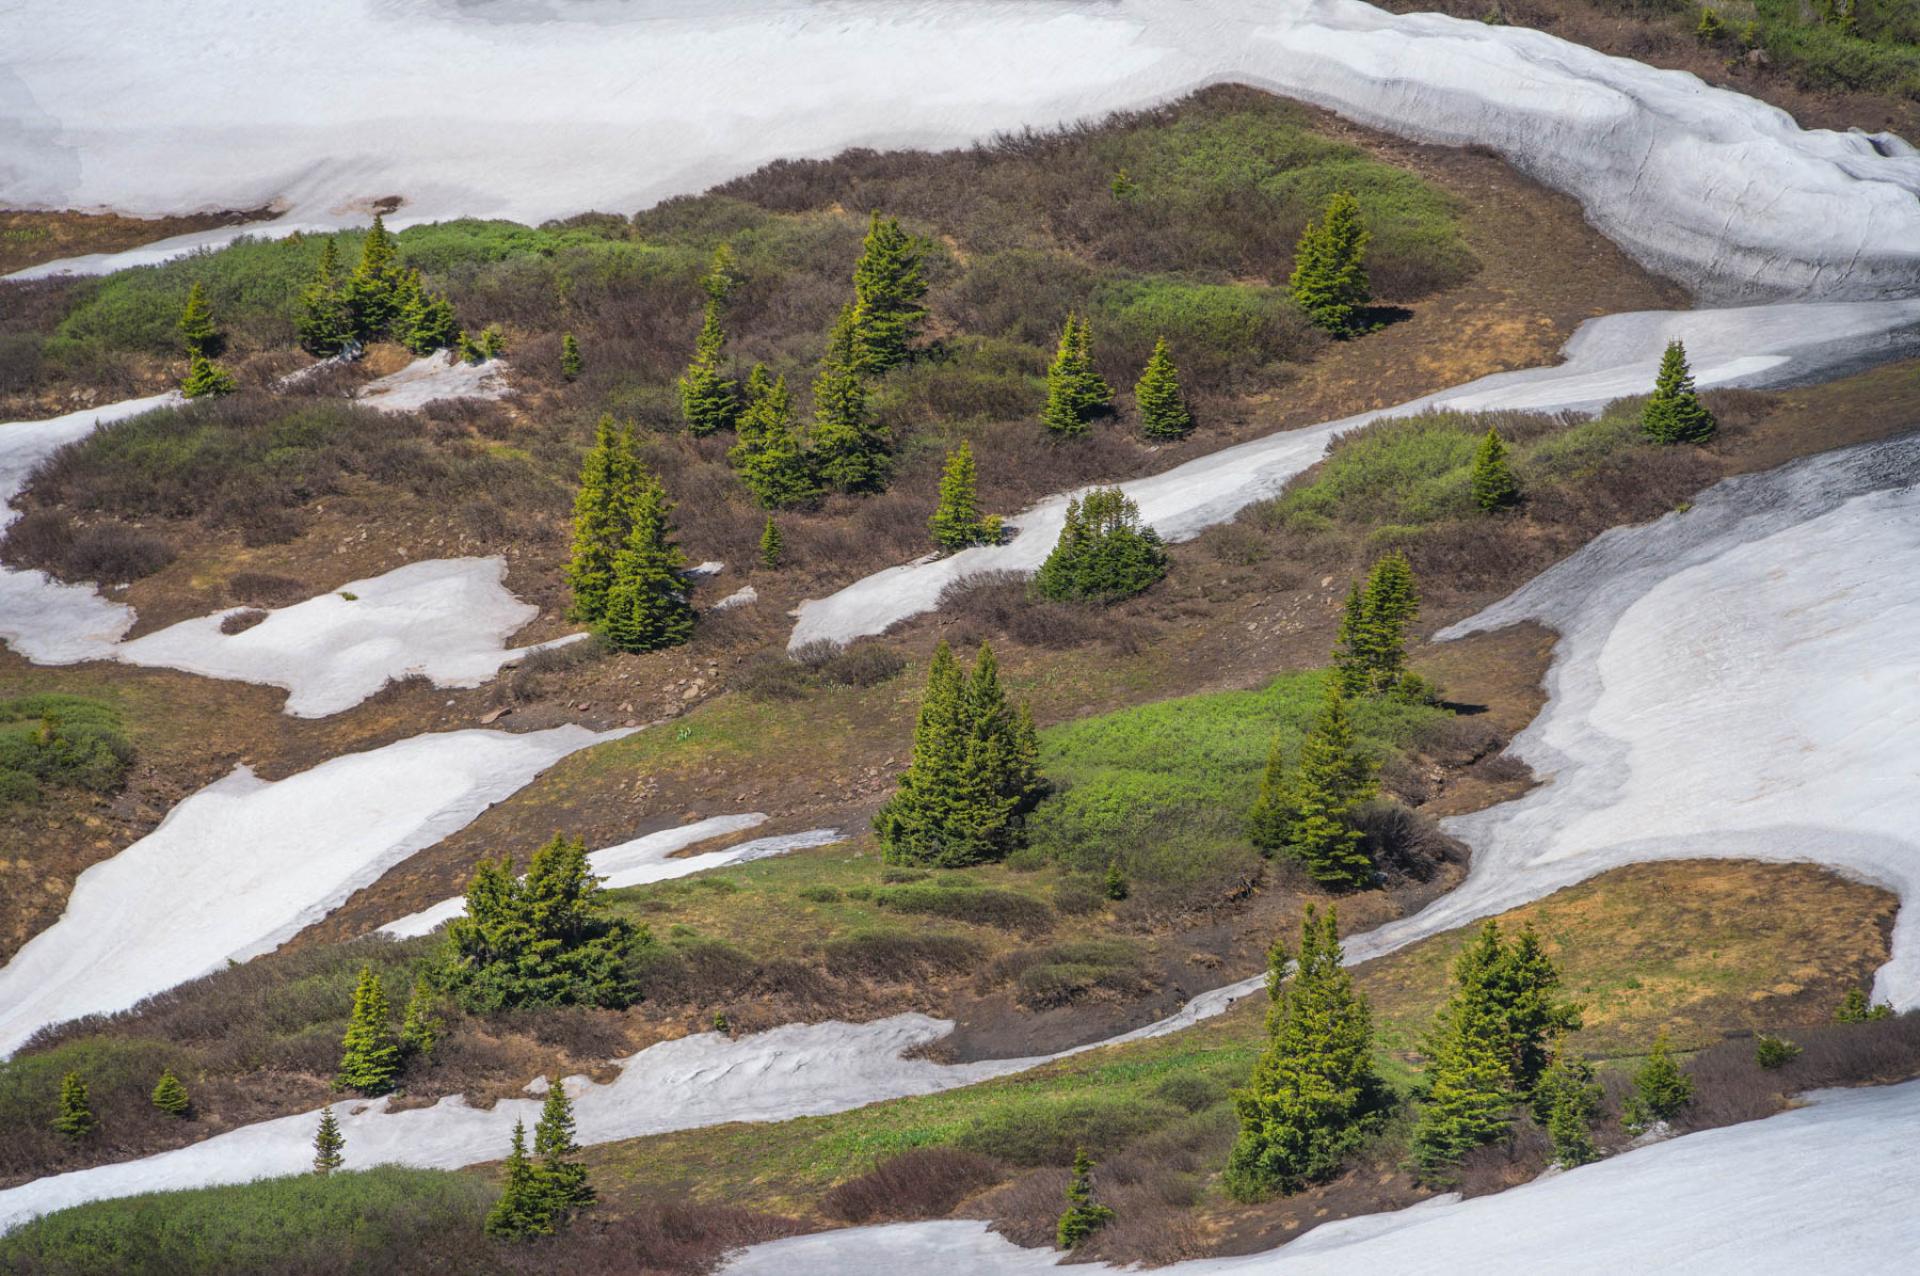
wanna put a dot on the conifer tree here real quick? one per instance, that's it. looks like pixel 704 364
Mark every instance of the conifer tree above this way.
pixel 521 1211
pixel 1570 1099
pixel 647 606
pixel 1674 413
pixel 1163 413
pixel 722 276
pixel 1061 415
pixel 771 544
pixel 196 325
pixel 75 1118
pixel 1305 811
pixel 1329 280
pixel 420 1027
pixel 493 342
pixel 324 323
pixel 850 449
pixel 1313 1092
pixel 1470 1097
pixel 329 1145
pixel 373 290
pixel 1116 884
pixel 1084 1214
pixel 1371 653
pixel 170 1096
pixel 1104 553
pixel 571 364
pixel 768 456
pixel 708 398
pixel 1660 1088
pixel 561 1178
pixel 973 776
pixel 1521 984
pixel 370 1055
pixel 888 288
pixel 423 321
pixel 1494 484
pixel 602 518
pixel 957 521
pixel 1855 1007
pixel 206 379
pixel 1092 395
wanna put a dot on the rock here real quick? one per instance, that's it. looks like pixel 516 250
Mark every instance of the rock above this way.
pixel 1758 59
pixel 494 715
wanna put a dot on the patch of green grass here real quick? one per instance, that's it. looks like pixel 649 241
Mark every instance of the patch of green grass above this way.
pixel 1879 53
pixel 61 742
pixel 1218 331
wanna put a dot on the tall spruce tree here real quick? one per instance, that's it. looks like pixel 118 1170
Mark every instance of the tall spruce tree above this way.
pixel 571 364
pixel 329 1145
pixel 1371 655
pixel 1674 413
pixel 1313 1093
pixel 1566 1102
pixel 1084 1214
pixel 373 290
pixel 771 544
pixel 889 285
pixel 1470 1097
pixel 973 776
pixel 1306 810
pixel 1092 395
pixel 957 521
pixel 1329 280
pixel 420 1027
pixel 196 325
pixel 1661 1088
pixel 723 275
pixel 206 379
pixel 369 1053
pixel 602 518
pixel 521 1210
pixel 647 606
pixel 1494 484
pixel 75 1116
pixel 849 448
pixel 1163 412
pixel 768 456
pixel 424 321
pixel 170 1096
pixel 561 1178
pixel 1104 554
pixel 324 321
pixel 709 398
pixel 1076 392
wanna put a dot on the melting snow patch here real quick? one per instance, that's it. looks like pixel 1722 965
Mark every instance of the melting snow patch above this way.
pixel 244 864
pixel 432 378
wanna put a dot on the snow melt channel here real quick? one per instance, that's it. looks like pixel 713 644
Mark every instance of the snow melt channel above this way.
pixel 244 864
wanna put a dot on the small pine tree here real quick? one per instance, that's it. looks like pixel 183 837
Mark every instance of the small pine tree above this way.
pixel 370 1055
pixel 957 521
pixel 562 1179
pixel 1116 885
pixel 571 364
pixel 771 544
pixel 1674 413
pixel 708 397
pixel 324 323
pixel 1855 1007
pixel 768 456
pixel 521 1210
pixel 1571 1100
pixel 722 276
pixel 1076 393
pixel 1772 1052
pixel 1329 280
pixel 850 449
pixel 1661 1088
pixel 889 285
pixel 424 321
pixel 1494 484
pixel 1092 395
pixel 647 606
pixel 329 1145
pixel 1306 811
pixel 602 518
pixel 170 1096
pixel 420 1027
pixel 206 379
pixel 1313 1093
pixel 1470 1095
pixel 196 325
pixel 1710 28
pixel 75 1117
pixel 493 342
pixel 1084 1215
pixel 1371 655
pixel 1163 413
pixel 1104 554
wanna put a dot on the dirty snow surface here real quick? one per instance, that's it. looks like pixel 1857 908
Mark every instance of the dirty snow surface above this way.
pixel 1719 189
pixel 1607 358
pixel 432 378
pixel 244 864
pixel 1826 1188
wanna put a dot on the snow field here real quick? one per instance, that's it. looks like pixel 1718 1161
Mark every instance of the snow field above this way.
pixel 433 377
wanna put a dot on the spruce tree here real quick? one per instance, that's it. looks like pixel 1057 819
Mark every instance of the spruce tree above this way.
pixel 329 1145
pixel 75 1117
pixel 571 364
pixel 1674 413
pixel 771 544
pixel 850 449
pixel 1856 1007
pixel 1660 1088
pixel 1568 1100
pixel 420 1027
pixel 1313 1093
pixel 1104 554
pixel 372 290
pixel 561 1178
pixel 1494 484
pixel 424 321
pixel 170 1096
pixel 1305 811
pixel 206 379
pixel 1470 1096
pixel 1522 984
pixel 1163 413
pixel 1061 415
pixel 521 1210
pixel 973 776
pixel 324 322
pixel 196 325
pixel 1092 395
pixel 1084 1214
pixel 708 398
pixel 1116 883
pixel 602 518
pixel 493 342
pixel 768 456
pixel 722 276
pixel 370 1054
pixel 888 288
pixel 957 521
pixel 1371 654
pixel 1329 280
pixel 647 606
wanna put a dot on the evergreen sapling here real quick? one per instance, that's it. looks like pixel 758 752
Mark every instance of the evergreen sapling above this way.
pixel 329 1145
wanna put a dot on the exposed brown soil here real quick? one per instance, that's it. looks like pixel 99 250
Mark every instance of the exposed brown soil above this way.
pixel 29 238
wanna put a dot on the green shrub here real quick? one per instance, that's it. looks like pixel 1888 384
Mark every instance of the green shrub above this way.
pixel 62 742
pixel 1223 331
pixel 820 894
pixel 985 906
pixel 1049 1133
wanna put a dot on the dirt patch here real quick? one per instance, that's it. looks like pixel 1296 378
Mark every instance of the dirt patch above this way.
pixel 27 239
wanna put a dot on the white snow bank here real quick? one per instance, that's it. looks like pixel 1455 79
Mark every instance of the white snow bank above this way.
pixel 447 619
pixel 1824 1188
pixel 1740 680
pixel 1607 358
pixel 431 378
pixel 245 863
pixel 1724 191
pixel 41 618
pixel 646 859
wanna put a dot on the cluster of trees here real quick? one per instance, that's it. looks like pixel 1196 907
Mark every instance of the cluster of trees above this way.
pixel 73 1116
pixel 378 298
pixel 974 774
pixel 1329 280
pixel 205 378
pixel 626 571
pixel 1077 393
pixel 1674 412
pixel 542 1192
pixel 1371 652
pixel 372 1053
pixel 957 521
pixel 1104 554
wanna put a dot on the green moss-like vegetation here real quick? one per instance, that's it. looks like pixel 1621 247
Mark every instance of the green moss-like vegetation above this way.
pixel 57 741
